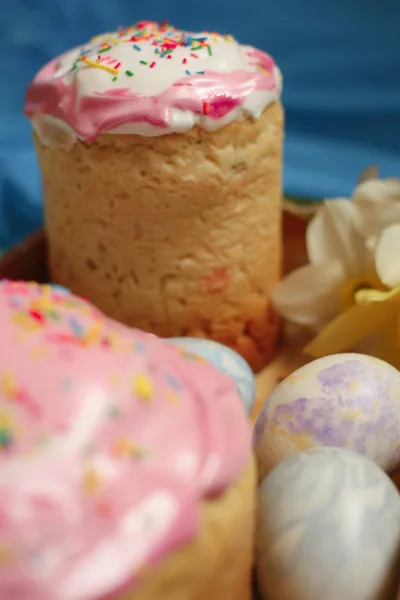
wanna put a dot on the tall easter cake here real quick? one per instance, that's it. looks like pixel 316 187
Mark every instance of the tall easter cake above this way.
pixel 161 156
pixel 125 464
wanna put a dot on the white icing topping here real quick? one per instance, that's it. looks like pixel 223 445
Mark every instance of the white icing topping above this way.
pixel 153 80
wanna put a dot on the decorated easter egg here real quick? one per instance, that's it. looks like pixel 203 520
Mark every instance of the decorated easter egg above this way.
pixel 227 361
pixel 345 400
pixel 328 528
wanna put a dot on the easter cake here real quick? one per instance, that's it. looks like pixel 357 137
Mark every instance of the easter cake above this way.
pixel 126 469
pixel 160 152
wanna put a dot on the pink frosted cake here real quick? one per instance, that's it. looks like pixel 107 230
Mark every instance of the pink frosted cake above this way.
pixel 126 469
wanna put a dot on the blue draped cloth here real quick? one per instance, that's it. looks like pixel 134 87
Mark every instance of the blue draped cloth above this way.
pixel 341 63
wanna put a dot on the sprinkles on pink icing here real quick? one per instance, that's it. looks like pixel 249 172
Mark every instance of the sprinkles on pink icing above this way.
pixel 109 440
pixel 152 79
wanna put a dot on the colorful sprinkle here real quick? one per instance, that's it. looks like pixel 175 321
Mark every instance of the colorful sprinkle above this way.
pixel 125 448
pixel 105 509
pixel 172 398
pixel 173 382
pixel 37 316
pixel 91 481
pixel 115 413
pixel 6 439
pixel 143 387
pixel 98 65
pixel 6 555
pixel 8 386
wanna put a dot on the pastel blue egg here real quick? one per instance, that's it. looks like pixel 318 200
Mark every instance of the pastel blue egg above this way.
pixel 60 288
pixel 226 361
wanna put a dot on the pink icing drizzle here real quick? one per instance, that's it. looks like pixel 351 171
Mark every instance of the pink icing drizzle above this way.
pixel 113 106
pixel 109 439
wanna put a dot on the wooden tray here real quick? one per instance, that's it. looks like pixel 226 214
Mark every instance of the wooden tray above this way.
pixel 28 261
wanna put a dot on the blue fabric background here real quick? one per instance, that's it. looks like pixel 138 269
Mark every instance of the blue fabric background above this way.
pixel 341 62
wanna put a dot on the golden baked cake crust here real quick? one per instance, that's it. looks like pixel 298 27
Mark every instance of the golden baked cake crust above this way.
pixel 161 155
pixel 177 234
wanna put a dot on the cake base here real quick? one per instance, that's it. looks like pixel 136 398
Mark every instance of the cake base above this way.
pixel 177 235
pixel 218 563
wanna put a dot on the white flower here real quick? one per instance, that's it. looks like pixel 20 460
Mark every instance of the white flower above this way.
pixel 348 240
pixel 310 295
pixel 377 203
pixel 387 256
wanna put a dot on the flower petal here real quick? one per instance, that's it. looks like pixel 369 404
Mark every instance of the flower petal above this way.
pixel 368 296
pixel 352 326
pixel 377 203
pixel 387 256
pixel 355 288
pixel 387 345
pixel 309 295
pixel 332 235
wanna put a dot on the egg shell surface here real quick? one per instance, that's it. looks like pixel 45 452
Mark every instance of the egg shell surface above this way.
pixel 227 361
pixel 345 400
pixel 328 528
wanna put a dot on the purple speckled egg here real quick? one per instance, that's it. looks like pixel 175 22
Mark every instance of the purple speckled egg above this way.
pixel 349 401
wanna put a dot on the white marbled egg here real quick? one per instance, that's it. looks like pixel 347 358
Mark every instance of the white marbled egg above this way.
pixel 344 400
pixel 328 529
